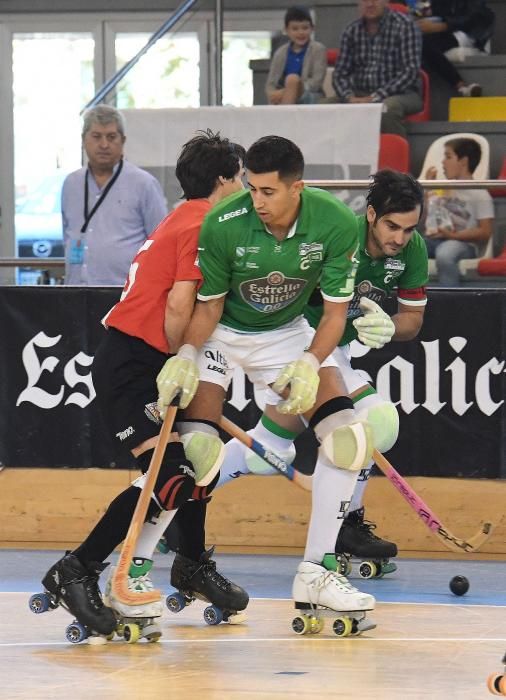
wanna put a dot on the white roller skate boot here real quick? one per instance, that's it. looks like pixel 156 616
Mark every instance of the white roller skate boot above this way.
pixel 136 621
pixel 318 592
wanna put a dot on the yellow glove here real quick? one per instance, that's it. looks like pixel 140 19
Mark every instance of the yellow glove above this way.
pixel 179 375
pixel 375 328
pixel 302 377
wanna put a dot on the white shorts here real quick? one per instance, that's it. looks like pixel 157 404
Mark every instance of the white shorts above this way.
pixel 353 378
pixel 262 356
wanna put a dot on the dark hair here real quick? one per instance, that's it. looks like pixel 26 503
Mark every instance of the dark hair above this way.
pixel 466 148
pixel 275 154
pixel 392 192
pixel 298 13
pixel 203 159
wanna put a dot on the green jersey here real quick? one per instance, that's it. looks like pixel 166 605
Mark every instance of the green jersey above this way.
pixel 267 282
pixel 376 278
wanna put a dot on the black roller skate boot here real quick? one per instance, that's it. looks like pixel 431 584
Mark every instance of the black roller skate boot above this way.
pixel 357 540
pixel 74 586
pixel 200 579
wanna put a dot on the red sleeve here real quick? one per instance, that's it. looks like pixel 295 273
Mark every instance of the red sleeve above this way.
pixel 187 256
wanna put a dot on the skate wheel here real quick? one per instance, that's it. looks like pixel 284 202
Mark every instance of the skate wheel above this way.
pixel 151 633
pixel 367 569
pixel 343 626
pixel 76 632
pixel 120 629
pixel 236 618
pixel 97 640
pixel 39 603
pixel 316 624
pixel 213 615
pixel 344 566
pixel 131 633
pixel 300 624
pixel 497 684
pixel 175 602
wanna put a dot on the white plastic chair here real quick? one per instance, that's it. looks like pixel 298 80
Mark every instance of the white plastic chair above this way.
pixel 433 158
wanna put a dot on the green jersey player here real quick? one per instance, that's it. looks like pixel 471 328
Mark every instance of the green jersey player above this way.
pixel 391 256
pixel 262 255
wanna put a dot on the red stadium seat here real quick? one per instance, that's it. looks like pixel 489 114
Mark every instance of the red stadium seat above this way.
pixel 332 56
pixel 393 153
pixel 424 115
pixel 398 7
pixel 493 266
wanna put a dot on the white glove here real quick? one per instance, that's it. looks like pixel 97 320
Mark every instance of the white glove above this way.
pixel 302 376
pixel 375 328
pixel 179 375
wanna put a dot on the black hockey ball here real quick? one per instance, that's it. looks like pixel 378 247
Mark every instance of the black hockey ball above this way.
pixel 459 585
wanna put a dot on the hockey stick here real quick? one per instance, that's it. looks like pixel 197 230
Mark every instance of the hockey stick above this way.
pixel 119 584
pixel 455 544
pixel 288 470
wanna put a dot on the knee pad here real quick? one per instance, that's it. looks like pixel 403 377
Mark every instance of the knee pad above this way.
pixel 383 418
pixel 175 482
pixel 345 439
pixel 203 448
pixel 257 465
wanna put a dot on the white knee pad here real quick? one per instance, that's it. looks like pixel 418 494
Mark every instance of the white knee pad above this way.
pixel 346 440
pixel 205 450
pixel 383 418
pixel 257 465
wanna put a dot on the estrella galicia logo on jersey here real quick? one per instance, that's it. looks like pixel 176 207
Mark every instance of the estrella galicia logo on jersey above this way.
pixel 272 293
pixel 218 361
pixel 365 289
pixel 232 214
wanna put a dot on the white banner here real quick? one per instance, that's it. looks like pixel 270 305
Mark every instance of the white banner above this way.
pixel 338 141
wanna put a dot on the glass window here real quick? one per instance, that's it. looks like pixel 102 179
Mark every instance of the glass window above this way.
pixel 239 48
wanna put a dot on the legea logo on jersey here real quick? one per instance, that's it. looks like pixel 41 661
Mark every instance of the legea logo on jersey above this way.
pixel 232 214
pixel 272 293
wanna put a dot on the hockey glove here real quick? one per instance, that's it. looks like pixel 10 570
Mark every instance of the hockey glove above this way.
pixel 302 377
pixel 178 376
pixel 375 328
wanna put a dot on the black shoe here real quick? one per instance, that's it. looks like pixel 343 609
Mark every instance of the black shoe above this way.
pixel 356 537
pixel 75 585
pixel 201 580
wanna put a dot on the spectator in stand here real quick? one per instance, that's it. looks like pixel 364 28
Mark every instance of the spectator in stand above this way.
pixel 109 208
pixel 453 23
pixel 298 67
pixel 380 61
pixel 459 222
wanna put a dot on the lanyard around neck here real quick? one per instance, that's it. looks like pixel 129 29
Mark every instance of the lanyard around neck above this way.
pixel 89 214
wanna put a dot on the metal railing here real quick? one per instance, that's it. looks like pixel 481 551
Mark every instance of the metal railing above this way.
pixel 45 263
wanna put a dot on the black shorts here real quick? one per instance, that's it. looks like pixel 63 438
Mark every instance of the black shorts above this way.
pixel 124 375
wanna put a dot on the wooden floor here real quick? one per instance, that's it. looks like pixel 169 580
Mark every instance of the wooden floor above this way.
pixel 416 651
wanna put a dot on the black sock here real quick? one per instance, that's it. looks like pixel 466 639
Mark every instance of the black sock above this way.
pixel 191 520
pixel 112 528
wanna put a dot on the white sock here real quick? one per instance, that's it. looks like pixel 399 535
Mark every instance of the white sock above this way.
pixel 151 533
pixel 234 464
pixel 332 492
pixel 358 494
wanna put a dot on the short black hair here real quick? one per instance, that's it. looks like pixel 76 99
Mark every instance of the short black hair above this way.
pixel 275 154
pixel 203 159
pixel 392 192
pixel 298 13
pixel 466 148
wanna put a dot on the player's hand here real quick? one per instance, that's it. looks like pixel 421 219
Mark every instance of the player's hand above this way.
pixel 302 378
pixel 375 328
pixel 431 173
pixel 178 376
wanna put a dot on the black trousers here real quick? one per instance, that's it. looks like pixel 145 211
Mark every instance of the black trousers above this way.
pixel 433 56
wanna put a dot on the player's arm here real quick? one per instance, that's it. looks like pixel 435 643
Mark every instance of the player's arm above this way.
pixel 407 321
pixel 178 311
pixel 204 320
pixel 330 329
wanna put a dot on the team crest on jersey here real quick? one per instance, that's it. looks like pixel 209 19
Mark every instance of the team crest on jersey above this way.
pixel 271 293
pixel 394 264
pixel 310 252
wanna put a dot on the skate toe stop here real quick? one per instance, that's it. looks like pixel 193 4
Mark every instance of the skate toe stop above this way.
pixel 237 618
pixel 97 641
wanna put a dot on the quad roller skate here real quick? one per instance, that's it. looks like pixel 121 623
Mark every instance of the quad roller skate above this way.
pixel 319 593
pixel 136 622
pixel 496 683
pixel 201 580
pixel 74 586
pixel 356 540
